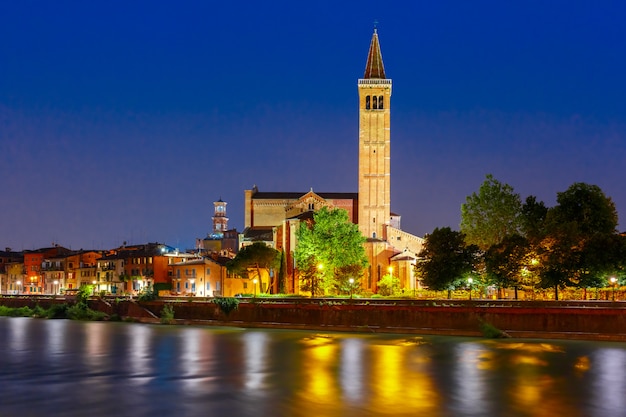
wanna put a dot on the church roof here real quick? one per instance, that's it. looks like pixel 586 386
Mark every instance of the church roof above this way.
pixel 374 67
pixel 296 195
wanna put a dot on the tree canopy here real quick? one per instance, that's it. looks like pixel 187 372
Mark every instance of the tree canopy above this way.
pixel 256 257
pixel 491 214
pixel 446 260
pixel 329 251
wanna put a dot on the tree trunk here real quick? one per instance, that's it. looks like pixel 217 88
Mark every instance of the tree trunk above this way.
pixel 556 293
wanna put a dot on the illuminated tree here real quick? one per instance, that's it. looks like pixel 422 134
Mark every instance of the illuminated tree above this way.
pixel 255 258
pixel 329 251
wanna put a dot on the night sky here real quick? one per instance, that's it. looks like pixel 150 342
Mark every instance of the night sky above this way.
pixel 126 120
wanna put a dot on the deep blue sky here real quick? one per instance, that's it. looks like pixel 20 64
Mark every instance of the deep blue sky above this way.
pixel 125 120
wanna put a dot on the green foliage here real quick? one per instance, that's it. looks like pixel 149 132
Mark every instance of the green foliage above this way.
pixel 80 311
pixel 167 314
pixel 258 256
pixel 147 294
pixel 57 311
pixel 83 293
pixel 227 304
pixel 329 251
pixel 492 332
pixel 162 286
pixel 39 312
pixel 16 312
pixel 445 260
pixel 491 214
pixel 532 218
pixel 580 243
pixel 389 285
pixel 505 262
pixel 585 210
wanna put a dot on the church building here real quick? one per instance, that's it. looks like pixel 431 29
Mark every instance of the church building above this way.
pixel 274 217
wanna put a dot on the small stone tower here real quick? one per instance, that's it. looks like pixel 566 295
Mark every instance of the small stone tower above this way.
pixel 374 144
pixel 220 221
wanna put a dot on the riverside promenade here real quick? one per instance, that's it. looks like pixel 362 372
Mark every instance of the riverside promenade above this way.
pixel 583 320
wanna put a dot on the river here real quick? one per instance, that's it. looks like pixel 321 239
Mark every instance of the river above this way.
pixel 69 368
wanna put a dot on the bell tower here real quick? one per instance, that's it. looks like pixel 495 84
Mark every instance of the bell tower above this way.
pixel 374 144
pixel 220 221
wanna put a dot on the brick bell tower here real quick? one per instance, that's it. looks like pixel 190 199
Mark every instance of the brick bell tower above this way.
pixel 220 221
pixel 374 144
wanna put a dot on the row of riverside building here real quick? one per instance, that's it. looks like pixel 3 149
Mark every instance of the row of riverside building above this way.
pixel 126 270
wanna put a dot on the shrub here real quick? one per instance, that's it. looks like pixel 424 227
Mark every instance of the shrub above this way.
pixel 83 293
pixel 167 314
pixel 149 294
pixel 227 304
pixel 23 312
pixel 39 312
pixel 80 311
pixel 57 311
pixel 491 332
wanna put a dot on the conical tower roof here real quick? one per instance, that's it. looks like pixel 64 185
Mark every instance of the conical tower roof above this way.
pixel 374 67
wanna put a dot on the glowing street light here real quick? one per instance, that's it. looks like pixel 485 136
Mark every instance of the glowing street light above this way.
pixel 351 281
pixel 56 282
pixel 94 287
pixel 470 280
pixel 254 281
pixel 19 287
pixel 613 284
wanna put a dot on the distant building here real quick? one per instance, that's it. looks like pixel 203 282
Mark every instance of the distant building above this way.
pixel 220 239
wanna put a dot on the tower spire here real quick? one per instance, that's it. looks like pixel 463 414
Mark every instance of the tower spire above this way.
pixel 374 67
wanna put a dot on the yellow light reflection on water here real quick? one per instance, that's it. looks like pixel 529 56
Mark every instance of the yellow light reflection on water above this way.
pixel 321 357
pixel 402 383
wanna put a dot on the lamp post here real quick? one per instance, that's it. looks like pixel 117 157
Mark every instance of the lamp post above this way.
pixel 94 287
pixel 55 286
pixel 254 281
pixel 613 284
pixel 351 281
pixel 19 285
pixel 470 280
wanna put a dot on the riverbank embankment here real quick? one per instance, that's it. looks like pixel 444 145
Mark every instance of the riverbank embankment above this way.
pixel 584 320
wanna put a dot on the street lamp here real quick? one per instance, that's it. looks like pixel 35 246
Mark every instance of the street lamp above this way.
pixel 254 281
pixel 19 285
pixel 613 284
pixel 470 280
pixel 351 281
pixel 55 286
pixel 94 287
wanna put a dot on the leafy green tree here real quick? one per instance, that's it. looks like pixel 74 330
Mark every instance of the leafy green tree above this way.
pixel 507 262
pixel 329 251
pixel 491 214
pixel 389 285
pixel 446 260
pixel 256 257
pixel 575 228
pixel 584 209
pixel 532 218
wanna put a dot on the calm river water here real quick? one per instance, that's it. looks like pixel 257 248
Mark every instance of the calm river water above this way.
pixel 69 368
